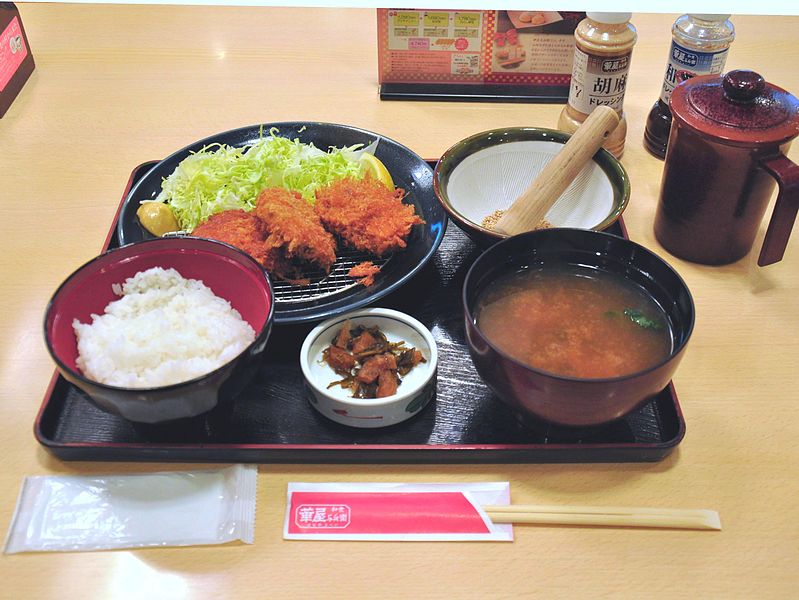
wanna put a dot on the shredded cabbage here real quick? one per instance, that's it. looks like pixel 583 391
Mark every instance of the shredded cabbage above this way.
pixel 220 177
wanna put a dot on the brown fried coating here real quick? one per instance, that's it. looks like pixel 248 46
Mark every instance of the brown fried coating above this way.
pixel 238 228
pixel 246 232
pixel 364 272
pixel 366 214
pixel 294 230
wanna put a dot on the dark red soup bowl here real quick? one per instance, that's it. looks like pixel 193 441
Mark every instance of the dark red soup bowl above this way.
pixel 545 397
pixel 230 273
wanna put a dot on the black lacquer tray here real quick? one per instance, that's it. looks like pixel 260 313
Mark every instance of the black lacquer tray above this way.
pixel 273 422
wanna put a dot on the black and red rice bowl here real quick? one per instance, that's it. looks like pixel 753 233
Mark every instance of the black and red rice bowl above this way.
pixel 228 272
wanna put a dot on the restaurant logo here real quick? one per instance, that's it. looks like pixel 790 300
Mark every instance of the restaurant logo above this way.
pixel 322 516
pixel 614 65
pixel 683 57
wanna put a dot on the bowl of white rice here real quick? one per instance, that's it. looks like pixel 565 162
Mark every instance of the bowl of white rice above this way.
pixel 162 329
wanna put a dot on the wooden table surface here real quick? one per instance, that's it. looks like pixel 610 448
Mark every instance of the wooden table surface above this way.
pixel 119 85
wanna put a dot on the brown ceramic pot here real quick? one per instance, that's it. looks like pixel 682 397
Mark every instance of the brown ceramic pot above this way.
pixel 725 152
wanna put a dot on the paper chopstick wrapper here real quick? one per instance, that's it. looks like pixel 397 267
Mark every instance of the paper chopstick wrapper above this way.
pixel 395 511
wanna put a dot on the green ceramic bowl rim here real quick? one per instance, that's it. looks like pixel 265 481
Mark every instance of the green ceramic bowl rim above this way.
pixel 454 155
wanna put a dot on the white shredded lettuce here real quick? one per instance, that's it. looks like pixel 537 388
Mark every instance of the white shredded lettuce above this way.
pixel 220 177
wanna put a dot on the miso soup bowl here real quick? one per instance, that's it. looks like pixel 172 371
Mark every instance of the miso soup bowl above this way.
pixel 563 400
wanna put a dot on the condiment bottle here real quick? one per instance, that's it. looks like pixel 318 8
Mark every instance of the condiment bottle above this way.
pixel 699 46
pixel 604 46
pixel 726 150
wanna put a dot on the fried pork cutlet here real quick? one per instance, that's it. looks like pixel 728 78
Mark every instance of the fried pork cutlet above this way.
pixel 294 233
pixel 246 232
pixel 366 214
pixel 238 228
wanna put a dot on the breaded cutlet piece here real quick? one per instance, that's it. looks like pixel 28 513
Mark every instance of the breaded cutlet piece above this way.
pixel 246 232
pixel 238 228
pixel 366 214
pixel 294 231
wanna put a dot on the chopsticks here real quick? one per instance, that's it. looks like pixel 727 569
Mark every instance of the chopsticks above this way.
pixel 608 516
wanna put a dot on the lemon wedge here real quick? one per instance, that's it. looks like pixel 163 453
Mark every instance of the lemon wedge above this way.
pixel 374 168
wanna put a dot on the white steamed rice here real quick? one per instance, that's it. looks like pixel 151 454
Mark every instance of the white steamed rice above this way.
pixel 163 330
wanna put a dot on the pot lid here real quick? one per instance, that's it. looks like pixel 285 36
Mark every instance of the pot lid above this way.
pixel 740 108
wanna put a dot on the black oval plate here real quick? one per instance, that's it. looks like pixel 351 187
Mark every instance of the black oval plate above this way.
pixel 407 169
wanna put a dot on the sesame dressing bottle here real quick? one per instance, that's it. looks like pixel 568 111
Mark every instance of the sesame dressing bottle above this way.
pixel 604 46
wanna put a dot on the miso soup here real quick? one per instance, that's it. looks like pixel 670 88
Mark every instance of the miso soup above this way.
pixel 574 321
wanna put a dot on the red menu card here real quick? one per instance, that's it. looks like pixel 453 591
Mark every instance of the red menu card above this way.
pixel 477 55
pixel 16 60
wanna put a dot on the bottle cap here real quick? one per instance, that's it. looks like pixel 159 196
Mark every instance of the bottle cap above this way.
pixel 611 18
pixel 710 17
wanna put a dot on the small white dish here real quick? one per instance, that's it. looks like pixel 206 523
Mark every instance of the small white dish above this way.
pixel 336 403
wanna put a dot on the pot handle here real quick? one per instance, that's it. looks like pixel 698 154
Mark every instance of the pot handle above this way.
pixel 785 208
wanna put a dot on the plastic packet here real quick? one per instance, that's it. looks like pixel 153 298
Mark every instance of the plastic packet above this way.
pixel 185 508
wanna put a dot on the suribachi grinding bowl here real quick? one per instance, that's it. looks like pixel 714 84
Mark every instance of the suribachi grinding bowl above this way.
pixel 230 273
pixel 569 401
pixel 487 171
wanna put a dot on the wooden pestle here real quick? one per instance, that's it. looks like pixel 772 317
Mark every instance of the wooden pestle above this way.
pixel 530 208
